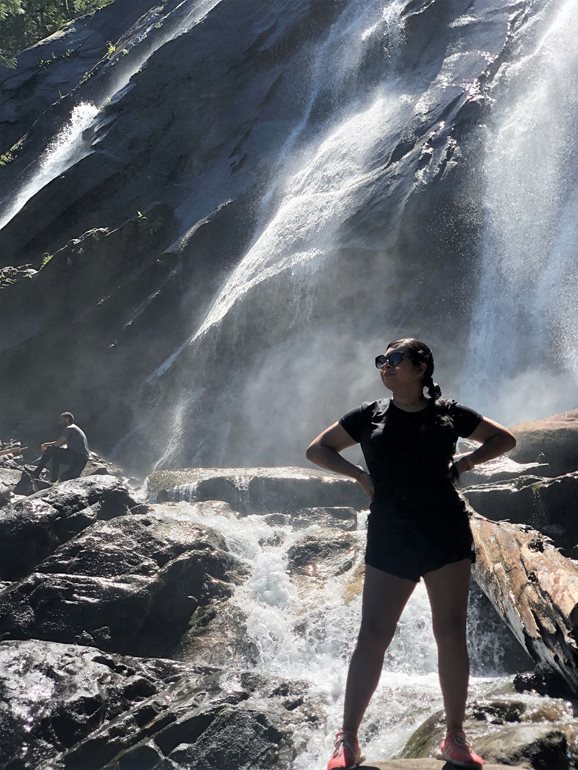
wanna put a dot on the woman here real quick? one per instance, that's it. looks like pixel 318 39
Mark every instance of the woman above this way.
pixel 417 527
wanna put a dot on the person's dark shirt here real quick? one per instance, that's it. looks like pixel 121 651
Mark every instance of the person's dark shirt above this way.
pixel 76 439
pixel 408 454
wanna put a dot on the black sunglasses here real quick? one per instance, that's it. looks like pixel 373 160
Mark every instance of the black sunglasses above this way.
pixel 391 359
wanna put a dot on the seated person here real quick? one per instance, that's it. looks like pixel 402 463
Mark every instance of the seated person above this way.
pixel 70 449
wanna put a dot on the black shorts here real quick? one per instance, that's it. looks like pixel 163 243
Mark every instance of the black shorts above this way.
pixel 410 549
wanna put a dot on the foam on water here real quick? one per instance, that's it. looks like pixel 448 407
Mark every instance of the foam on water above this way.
pixel 304 628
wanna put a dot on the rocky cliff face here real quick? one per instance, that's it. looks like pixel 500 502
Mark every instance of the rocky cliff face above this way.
pixel 205 210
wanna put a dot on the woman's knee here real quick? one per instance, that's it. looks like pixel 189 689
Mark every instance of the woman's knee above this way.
pixel 372 634
pixel 451 629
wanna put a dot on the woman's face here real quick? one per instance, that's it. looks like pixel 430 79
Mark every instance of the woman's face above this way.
pixel 402 375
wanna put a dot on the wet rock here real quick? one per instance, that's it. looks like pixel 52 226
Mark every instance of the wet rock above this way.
pixel 33 527
pixel 323 556
pixel 553 440
pixel 8 480
pixel 217 635
pixel 109 495
pixel 524 731
pixel 129 584
pixel 547 504
pixel 54 695
pixel 338 517
pixel 236 737
pixel 258 490
pixel 504 469
pixel 543 747
pixel 27 484
pixel 542 680
pixel 99 466
pixel 66 707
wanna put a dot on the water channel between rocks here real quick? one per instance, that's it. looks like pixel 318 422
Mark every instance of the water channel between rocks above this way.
pixel 302 626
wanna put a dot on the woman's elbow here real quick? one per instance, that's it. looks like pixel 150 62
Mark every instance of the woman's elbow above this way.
pixel 509 440
pixel 310 451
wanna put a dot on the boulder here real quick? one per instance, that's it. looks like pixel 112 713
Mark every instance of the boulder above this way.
pixel 28 484
pixel 521 731
pixel 33 527
pixel 324 556
pixel 9 477
pixel 552 439
pixel 258 490
pixel 547 504
pixel 217 636
pixel 66 707
pixel 128 585
pixel 54 695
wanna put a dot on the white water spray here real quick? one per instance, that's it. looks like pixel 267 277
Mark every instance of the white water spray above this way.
pixel 66 149
pixel 526 314
pixel 304 628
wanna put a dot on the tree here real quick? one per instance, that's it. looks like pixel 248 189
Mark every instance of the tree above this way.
pixel 25 22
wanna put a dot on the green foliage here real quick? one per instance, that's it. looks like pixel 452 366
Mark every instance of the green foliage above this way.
pixel 43 63
pixel 110 49
pixel 6 159
pixel 9 156
pixel 25 22
pixel 45 260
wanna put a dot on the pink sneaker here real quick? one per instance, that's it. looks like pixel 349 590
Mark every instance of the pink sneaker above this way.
pixel 346 752
pixel 455 749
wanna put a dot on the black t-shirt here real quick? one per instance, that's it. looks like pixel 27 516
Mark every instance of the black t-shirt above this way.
pixel 408 453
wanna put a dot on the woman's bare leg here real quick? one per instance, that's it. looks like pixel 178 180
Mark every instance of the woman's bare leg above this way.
pixel 384 597
pixel 448 589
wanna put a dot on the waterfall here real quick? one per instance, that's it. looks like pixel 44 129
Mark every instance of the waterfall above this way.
pixel 524 324
pixel 317 200
pixel 63 151
pixel 68 147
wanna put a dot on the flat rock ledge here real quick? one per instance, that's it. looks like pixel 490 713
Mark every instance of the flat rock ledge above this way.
pixel 257 490
pixel 424 764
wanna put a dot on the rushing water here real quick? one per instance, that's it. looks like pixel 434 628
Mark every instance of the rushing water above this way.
pixel 524 324
pixel 63 151
pixel 68 146
pixel 303 627
pixel 335 170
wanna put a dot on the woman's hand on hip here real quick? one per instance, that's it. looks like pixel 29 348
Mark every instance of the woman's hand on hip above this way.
pixel 365 480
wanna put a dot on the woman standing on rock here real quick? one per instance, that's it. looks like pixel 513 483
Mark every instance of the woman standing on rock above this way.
pixel 417 527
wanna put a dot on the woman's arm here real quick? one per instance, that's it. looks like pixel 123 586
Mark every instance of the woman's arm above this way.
pixel 324 451
pixel 495 440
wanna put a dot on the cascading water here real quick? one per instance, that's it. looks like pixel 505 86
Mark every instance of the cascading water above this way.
pixel 303 627
pixel 63 151
pixel 524 324
pixel 69 147
pixel 373 132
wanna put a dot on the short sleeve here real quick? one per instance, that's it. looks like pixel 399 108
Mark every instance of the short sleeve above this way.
pixel 355 420
pixel 466 420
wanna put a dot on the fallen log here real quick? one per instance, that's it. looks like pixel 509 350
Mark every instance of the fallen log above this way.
pixel 534 589
pixel 12 450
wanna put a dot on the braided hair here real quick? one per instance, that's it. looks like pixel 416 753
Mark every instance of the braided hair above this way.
pixel 419 353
